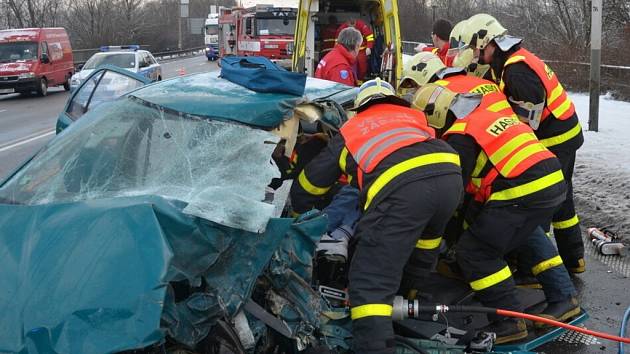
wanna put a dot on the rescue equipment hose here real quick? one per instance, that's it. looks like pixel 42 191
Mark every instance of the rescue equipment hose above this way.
pixel 413 310
pixel 622 331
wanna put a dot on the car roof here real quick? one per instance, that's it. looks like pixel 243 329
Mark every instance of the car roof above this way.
pixel 208 95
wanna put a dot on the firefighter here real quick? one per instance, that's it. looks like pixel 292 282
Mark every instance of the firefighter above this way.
pixel 410 185
pixel 538 98
pixel 515 185
pixel 337 64
pixel 554 279
pixel 366 48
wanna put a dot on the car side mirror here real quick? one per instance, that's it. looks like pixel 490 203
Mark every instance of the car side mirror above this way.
pixel 45 59
pixel 79 67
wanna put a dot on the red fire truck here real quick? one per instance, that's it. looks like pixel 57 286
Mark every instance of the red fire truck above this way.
pixel 262 30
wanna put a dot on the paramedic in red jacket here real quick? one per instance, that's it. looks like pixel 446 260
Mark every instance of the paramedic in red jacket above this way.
pixel 366 48
pixel 337 65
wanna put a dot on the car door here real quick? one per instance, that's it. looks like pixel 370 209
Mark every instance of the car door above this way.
pixel 105 84
pixel 156 73
pixel 144 66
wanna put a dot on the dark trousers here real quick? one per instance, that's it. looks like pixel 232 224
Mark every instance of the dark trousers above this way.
pixel 566 228
pixel 387 234
pixel 481 250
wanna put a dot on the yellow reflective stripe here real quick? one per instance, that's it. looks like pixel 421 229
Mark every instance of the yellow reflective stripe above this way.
pixel 565 224
pixel 457 128
pixel 476 182
pixel 465 225
pixel 309 187
pixel 520 157
pixel 528 188
pixel 502 85
pixel 558 112
pixel 514 59
pixel 510 146
pixel 545 265
pixel 566 136
pixel 428 244
pixel 499 106
pixel 492 279
pixel 371 310
pixel 442 82
pixel 554 94
pixel 294 214
pixel 482 159
pixel 369 37
pixel 402 167
pixel 342 159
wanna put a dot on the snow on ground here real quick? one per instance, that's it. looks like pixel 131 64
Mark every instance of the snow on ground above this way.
pixel 602 169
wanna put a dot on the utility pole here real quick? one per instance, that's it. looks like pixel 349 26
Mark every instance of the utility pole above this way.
pixel 596 56
pixel 183 13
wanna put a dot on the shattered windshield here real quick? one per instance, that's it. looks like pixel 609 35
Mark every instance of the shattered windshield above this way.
pixel 129 147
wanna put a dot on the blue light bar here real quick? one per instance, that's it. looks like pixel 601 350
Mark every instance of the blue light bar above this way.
pixel 130 47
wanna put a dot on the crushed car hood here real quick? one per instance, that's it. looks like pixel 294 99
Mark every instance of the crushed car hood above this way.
pixel 93 276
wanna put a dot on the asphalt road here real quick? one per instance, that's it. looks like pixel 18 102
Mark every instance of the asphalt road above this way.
pixel 27 122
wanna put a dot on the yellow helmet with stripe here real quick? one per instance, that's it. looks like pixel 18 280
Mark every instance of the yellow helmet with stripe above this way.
pixel 376 90
pixel 434 100
pixel 420 69
pixel 481 29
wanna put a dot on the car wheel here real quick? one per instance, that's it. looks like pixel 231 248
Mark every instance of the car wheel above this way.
pixel 42 90
pixel 66 85
pixel 159 78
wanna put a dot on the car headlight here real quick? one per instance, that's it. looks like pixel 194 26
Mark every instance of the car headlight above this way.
pixel 28 75
pixel 75 81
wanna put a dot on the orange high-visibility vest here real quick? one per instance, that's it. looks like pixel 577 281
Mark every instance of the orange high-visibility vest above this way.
pixel 509 145
pixel 373 134
pixel 493 99
pixel 557 102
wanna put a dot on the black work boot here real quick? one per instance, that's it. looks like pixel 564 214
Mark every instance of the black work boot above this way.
pixel 559 311
pixel 508 330
pixel 575 266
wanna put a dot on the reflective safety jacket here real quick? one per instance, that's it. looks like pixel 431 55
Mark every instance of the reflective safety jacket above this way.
pixel 380 148
pixel 508 166
pixel 493 99
pixel 558 105
pixel 364 28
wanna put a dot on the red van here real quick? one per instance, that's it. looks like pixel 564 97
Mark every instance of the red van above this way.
pixel 34 59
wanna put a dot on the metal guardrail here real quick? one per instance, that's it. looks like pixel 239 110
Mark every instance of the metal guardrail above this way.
pixel 615 78
pixel 82 55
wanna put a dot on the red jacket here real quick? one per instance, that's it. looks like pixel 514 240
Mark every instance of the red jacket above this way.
pixel 337 66
pixel 366 31
pixel 441 53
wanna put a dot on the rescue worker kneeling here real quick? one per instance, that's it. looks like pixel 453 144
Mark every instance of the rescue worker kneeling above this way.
pixel 516 184
pixel 410 186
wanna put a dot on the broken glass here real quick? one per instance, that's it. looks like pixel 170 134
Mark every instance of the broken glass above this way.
pixel 130 147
